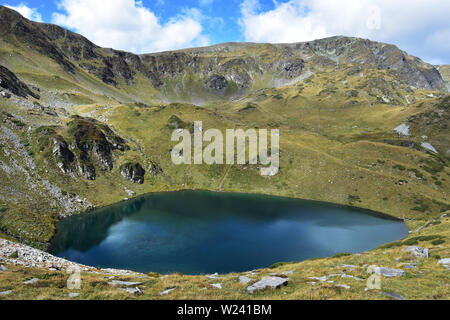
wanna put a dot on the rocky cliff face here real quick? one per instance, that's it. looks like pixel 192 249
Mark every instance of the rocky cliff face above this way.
pixel 95 142
pixel 86 147
pixel 223 71
pixel 9 81
pixel 133 172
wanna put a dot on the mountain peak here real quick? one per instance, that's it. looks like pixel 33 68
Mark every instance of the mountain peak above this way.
pixel 239 68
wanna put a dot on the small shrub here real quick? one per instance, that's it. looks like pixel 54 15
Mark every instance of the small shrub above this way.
pixel 437 242
pixel 417 173
pixel 153 274
pixel 426 238
pixel 421 208
pixel 410 242
pixel 18 123
pixel 399 167
pixel 25 143
pixel 279 264
pixel 352 198
pixel 342 254
pixel 278 96
pixel 391 245
pixel 14 255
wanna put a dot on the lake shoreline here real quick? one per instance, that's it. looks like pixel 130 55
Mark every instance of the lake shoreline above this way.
pixel 329 207
pixel 366 210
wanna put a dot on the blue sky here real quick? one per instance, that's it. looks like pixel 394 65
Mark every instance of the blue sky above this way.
pixel 419 27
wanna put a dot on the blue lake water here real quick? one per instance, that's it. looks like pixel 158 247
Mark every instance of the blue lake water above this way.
pixel 195 232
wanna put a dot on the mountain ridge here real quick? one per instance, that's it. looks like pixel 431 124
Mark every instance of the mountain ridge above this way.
pixel 219 72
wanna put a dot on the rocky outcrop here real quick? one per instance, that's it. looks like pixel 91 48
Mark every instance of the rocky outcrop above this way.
pixel 417 252
pixel 64 158
pixel 87 170
pixel 4 94
pixel 389 272
pixel 95 142
pixel 9 81
pixel 244 279
pixel 133 172
pixel 92 146
pixel 268 282
pixel 216 82
pixel 33 258
pixel 445 262
pixel 291 68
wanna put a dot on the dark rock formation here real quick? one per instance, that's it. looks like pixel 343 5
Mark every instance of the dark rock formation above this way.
pixel 9 81
pixel 87 145
pixel 133 172
pixel 292 69
pixel 95 141
pixel 87 170
pixel 64 158
pixel 216 82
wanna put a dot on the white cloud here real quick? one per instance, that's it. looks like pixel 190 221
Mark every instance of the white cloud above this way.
pixel 27 12
pixel 128 25
pixel 417 26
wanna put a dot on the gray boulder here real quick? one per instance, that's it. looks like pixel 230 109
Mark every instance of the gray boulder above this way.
pixel 389 272
pixel 393 295
pixel 445 262
pixel 5 293
pixel 268 282
pixel 134 291
pixel 244 279
pixel 417 252
pixel 31 281
pixel 5 94
pixel 166 292
pixel 324 278
pixel 124 283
